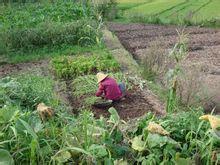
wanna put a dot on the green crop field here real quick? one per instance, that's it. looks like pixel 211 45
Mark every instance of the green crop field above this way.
pixel 50 53
pixel 172 11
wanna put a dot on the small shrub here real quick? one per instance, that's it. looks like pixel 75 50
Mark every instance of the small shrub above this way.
pixel 107 8
pixel 190 85
pixel 155 61
pixel 69 67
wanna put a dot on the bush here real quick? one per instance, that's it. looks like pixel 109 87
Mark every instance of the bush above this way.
pixel 107 8
pixel 69 67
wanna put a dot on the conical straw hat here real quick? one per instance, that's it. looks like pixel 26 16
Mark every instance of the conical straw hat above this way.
pixel 101 76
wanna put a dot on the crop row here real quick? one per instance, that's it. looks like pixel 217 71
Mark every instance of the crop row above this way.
pixel 69 67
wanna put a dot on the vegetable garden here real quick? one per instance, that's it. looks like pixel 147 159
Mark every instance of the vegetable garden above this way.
pixel 50 53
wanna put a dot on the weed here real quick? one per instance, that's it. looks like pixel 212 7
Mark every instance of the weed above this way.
pixel 178 53
pixel 154 62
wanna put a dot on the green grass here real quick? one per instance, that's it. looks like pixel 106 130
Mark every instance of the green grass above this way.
pixel 46 53
pixel 208 12
pixel 184 9
pixel 193 12
pixel 31 14
pixel 127 4
pixel 155 7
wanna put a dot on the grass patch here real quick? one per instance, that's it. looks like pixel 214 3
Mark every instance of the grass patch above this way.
pixel 180 12
pixel 208 12
pixel 29 15
pixel 155 7
pixel 128 4
pixel 47 53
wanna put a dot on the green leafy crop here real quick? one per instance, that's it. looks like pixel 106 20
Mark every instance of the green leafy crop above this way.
pixel 69 67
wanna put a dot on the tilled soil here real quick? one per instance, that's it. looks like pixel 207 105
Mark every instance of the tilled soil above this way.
pixel 132 106
pixel 135 104
pixel 203 48
pixel 8 69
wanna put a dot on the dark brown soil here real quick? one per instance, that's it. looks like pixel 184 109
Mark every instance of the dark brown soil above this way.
pixel 7 69
pixel 139 36
pixel 203 46
pixel 132 106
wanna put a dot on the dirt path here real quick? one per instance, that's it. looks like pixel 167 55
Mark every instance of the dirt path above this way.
pixel 31 67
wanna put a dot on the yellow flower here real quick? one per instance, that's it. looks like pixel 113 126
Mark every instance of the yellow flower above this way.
pixel 156 128
pixel 213 120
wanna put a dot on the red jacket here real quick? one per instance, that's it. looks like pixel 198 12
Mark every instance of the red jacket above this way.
pixel 110 88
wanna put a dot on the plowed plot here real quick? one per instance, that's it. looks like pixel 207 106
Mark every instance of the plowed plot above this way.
pixel 134 105
pixel 203 46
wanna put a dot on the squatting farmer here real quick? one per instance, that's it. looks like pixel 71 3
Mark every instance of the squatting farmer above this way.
pixel 109 90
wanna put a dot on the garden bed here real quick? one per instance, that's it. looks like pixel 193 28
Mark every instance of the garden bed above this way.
pixel 134 105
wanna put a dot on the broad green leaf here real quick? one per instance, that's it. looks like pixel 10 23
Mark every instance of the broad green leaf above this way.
pixel 182 161
pixel 154 140
pixel 29 129
pixel 114 118
pixel 5 158
pixel 7 113
pixel 98 151
pixel 138 144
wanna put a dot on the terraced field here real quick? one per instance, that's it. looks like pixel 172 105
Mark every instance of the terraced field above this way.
pixel 175 11
pixel 203 46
